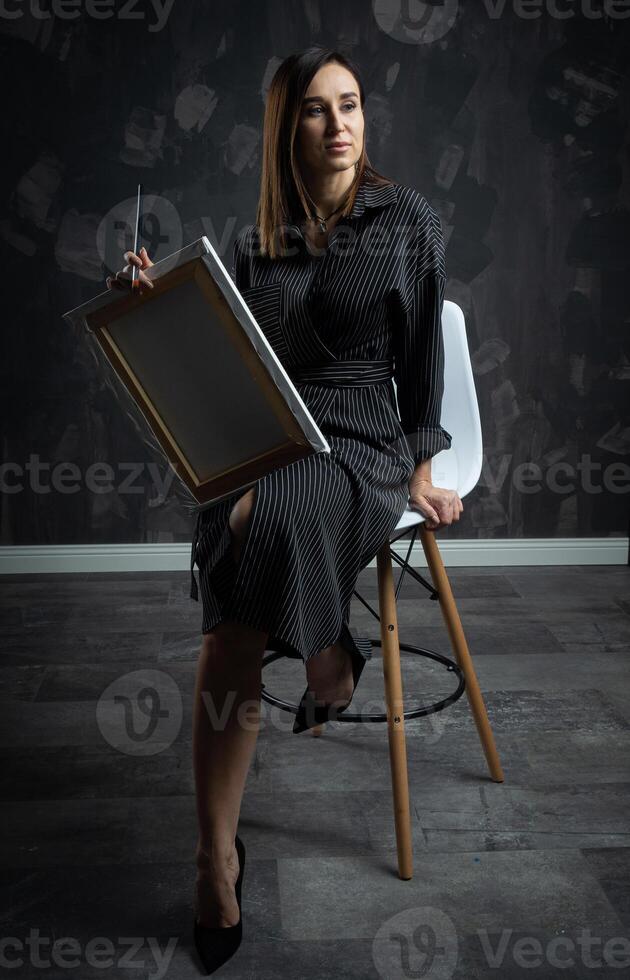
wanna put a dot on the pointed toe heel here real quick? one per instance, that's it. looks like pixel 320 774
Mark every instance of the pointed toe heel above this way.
pixel 216 945
pixel 310 713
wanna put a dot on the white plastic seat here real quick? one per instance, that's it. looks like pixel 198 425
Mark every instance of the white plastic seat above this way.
pixel 459 467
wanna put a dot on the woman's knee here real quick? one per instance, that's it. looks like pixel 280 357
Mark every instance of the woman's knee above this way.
pixel 239 520
pixel 230 637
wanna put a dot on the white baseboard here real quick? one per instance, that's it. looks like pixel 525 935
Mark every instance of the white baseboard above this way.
pixel 167 557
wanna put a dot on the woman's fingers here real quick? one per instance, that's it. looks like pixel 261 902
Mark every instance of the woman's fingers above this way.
pixel 430 510
pixel 142 260
pixel 445 511
pixel 431 515
pixel 455 508
pixel 132 258
pixel 135 264
pixel 113 282
pixel 122 279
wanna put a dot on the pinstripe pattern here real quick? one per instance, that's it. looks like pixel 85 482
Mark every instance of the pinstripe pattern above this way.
pixel 342 322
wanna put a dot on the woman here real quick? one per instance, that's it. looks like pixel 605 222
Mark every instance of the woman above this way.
pixel 345 274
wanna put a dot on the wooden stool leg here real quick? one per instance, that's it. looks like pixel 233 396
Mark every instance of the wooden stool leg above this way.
pixel 395 711
pixel 460 647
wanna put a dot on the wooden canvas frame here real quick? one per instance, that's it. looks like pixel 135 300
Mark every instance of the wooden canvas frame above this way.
pixel 198 266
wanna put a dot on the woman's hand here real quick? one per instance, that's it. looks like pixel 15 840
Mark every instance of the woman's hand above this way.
pixel 122 279
pixel 440 507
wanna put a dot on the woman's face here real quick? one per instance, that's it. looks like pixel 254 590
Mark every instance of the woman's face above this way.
pixel 331 113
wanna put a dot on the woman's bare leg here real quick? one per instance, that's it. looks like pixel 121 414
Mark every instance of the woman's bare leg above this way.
pixel 226 721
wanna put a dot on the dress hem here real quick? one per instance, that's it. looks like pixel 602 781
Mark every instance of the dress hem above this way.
pixel 348 638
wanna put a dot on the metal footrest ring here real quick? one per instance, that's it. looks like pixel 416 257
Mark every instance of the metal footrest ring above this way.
pixel 346 716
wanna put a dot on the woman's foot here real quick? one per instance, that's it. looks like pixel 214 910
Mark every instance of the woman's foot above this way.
pixel 217 906
pixel 329 675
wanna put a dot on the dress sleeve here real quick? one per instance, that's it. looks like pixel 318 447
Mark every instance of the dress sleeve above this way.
pixel 418 345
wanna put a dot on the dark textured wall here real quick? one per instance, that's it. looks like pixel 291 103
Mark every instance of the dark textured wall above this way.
pixel 513 121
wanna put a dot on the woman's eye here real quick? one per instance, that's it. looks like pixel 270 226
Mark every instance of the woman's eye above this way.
pixel 350 105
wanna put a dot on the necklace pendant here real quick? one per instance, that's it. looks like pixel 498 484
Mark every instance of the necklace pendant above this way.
pixel 322 225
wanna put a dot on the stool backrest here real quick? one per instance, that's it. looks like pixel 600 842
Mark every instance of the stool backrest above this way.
pixel 459 467
pixel 460 407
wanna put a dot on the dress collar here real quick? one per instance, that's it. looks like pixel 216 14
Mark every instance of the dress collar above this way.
pixel 368 195
pixel 372 196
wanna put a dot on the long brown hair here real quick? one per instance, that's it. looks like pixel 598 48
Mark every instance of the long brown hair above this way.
pixel 282 190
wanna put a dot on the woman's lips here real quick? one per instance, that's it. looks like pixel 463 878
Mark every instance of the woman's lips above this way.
pixel 338 149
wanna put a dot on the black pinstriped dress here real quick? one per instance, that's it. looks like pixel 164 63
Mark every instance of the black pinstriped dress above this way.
pixel 342 321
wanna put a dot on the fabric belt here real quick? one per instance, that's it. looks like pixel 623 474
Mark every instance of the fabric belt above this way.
pixel 343 374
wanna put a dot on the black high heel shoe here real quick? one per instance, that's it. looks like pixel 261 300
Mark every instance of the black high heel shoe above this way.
pixel 311 713
pixel 216 945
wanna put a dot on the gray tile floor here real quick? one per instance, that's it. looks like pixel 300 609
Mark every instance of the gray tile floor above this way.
pixel 529 878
